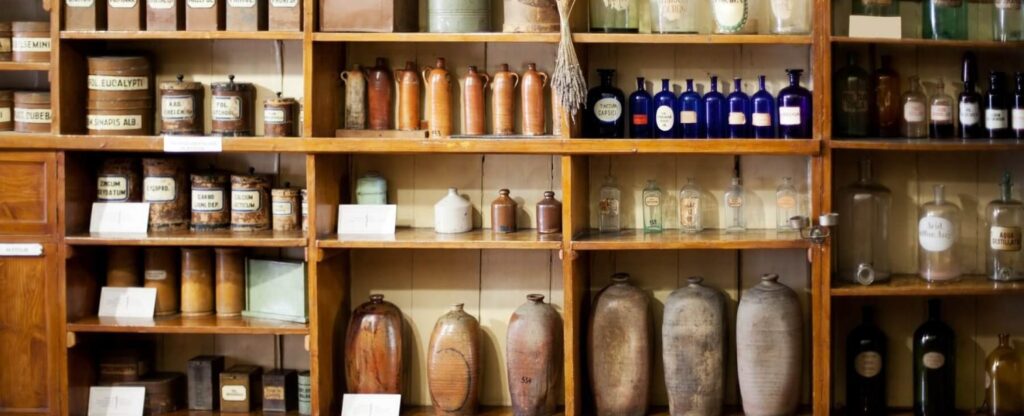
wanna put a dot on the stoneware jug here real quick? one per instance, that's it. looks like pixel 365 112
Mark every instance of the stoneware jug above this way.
pixel 473 107
pixel 549 214
pixel 378 97
pixel 503 89
pixel 439 105
pixel 768 349
pixel 355 98
pixel 373 348
pixel 693 349
pixel 408 81
pixel 503 213
pixel 453 364
pixel 620 345
pixel 453 214
pixel 534 356
pixel 532 92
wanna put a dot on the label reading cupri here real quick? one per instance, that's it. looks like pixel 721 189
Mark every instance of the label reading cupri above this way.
pixel 689 207
pixel 969 114
pixel 933 360
pixel 79 3
pixel 112 188
pixel 789 116
pixel 687 117
pixel 233 393
pixel 664 118
pixel 608 110
pixel 609 206
pixel 942 113
pixel 913 112
pixel 761 120
pixel 114 122
pixel 242 3
pixel 935 234
pixel 995 119
pixel 201 4
pixel 284 3
pixel 734 201
pixel 158 189
pixel 730 14
pixel 281 208
pixel 1004 238
pixel 5 114
pixel 122 4
pixel 176 108
pixel 155 274
pixel 28 115
pixel 652 201
pixel 112 83
pixel 245 201
pixel 737 118
pixel 1007 4
pixel 30 44
pixel 273 115
pixel 227 108
pixel 868 364
pixel 1018 118
pixel 161 4
pixel 207 199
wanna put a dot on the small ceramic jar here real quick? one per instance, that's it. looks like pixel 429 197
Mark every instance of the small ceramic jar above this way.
pixel 371 189
pixel 453 214
pixel 503 213
pixel 549 214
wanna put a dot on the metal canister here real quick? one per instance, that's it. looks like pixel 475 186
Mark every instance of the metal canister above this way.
pixel 196 281
pixel 5 41
pixel 209 201
pixel 229 272
pixel 459 16
pixel 161 272
pixel 233 106
pixel 181 107
pixel 305 211
pixel 118 180
pixel 6 110
pixel 32 113
pixel 164 187
pixel 120 117
pixel 285 208
pixel 30 41
pixel 250 202
pixel 279 117
pixel 120 96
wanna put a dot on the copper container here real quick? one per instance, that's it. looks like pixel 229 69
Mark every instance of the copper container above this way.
pixel 126 15
pixel 233 106
pixel 285 209
pixel 30 41
pixel 280 117
pixel 230 275
pixel 196 281
pixel 503 213
pixel 285 16
pixel 533 100
pixel 209 201
pixel 181 107
pixel 355 98
pixel 373 348
pixel 6 110
pixel 165 187
pixel 165 15
pixel 118 180
pixel 5 41
pixel 619 346
pixel 204 15
pixel 439 110
pixel 84 15
pixel 473 106
pixel 530 16
pixel 246 15
pixel 120 117
pixel 378 95
pixel 120 78
pixel 453 364
pixel 124 266
pixel 250 202
pixel 161 273
pixel 534 357
pixel 549 214
pixel 408 81
pixel 503 89
pixel 32 112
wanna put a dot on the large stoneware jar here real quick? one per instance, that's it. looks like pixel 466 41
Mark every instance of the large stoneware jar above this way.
pixel 453 364
pixel 534 354
pixel 373 348
pixel 693 347
pixel 619 343
pixel 768 348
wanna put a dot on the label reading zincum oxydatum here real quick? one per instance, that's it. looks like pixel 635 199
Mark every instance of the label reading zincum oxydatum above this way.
pixel 112 188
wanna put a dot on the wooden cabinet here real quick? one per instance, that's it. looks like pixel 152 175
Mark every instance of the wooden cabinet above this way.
pixel 28 193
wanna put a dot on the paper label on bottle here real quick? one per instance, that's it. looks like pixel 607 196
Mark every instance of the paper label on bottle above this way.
pixel 284 3
pixel 786 202
pixel 687 117
pixel 689 210
pixel 281 208
pixel 730 15
pixel 273 393
pixel 737 118
pixel 913 112
pixel 783 9
pixel 227 108
pixel 112 83
pixel 207 199
pixel 935 233
pixel 5 45
pixel 155 275
pixel 995 119
pixel 161 4
pixel 122 4
pixel 242 3
pixel 672 10
pixel 233 393
pixel 868 364
pixel 639 119
pixel 79 3
pixel 941 113
pixel 652 201
pixel 30 44
pixel 761 120
pixel 947 3
pixel 27 115
pixel 933 360
pixel 734 201
pixel 854 101
pixel 616 5
pixel 608 109
pixel 609 206
pixel 789 116
pixel 245 201
pixel 305 209
pixel 969 114
pixel 112 188
pixel 113 122
pixel 5 114
pixel 1007 4
pixel 663 117
pixel 1017 115
pixel 177 108
pixel 273 115
pixel 1004 238
pixel 158 189
pixel 201 4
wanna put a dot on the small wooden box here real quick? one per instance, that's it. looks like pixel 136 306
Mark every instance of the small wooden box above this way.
pixel 204 381
pixel 165 15
pixel 369 15
pixel 126 15
pixel 85 15
pixel 125 364
pixel 164 392
pixel 280 391
pixel 246 15
pixel 285 15
pixel 240 388
pixel 204 15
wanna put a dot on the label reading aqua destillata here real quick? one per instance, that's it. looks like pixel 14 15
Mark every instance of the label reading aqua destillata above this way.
pixel 935 234
pixel 608 110
pixel 1004 238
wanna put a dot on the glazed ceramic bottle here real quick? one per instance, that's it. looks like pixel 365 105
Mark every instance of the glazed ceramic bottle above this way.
pixel 608 206
pixel 453 214
pixel 453 364
pixel 532 100
pixel 408 97
pixel 1003 380
pixel 371 189
pixel 503 213
pixel 439 110
pixel 641 110
pixel 971 126
pixel 620 16
pixel 380 87
pixel 690 216
pixel 762 118
pixel 940 114
pixel 604 115
pixel 944 19
pixel 715 116
pixel 739 112
pixel 503 88
pixel 373 348
pixel 934 365
pixel 938 233
pixel 534 357
pixel 769 314
pixel 914 123
pixel 619 345
pixel 863 232
pixel 795 109
pixel 1004 219
pixel 866 368
pixel 355 98
pixel 664 122
pixel 689 106
pixel 693 349
pixel 652 198
pixel 549 214
pixel 851 95
pixel 473 107
pixel 886 112
pixel 674 16
pixel 997 107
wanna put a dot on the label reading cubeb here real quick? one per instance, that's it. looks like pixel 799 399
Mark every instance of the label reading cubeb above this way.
pixel 30 44
pixel 112 188
pixel 227 108
pixel 27 115
pixel 664 118
pixel 114 122
pixel 789 116
pixel 233 393
pixel 207 199
pixel 933 360
pixel 608 109
pixel 936 234
pixel 1004 238
pixel 112 83
pixel 245 201
pixel 158 189
pixel 176 108
pixel 868 364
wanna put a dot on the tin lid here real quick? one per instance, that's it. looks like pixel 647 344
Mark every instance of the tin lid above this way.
pixel 279 101
pixel 118 63
pixel 285 192
pixel 32 97
pixel 181 85
pixel 30 26
pixel 251 179
pixel 212 177
pixel 231 85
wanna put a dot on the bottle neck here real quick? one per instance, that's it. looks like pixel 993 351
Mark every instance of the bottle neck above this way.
pixel 714 84
pixel 606 80
pixel 868 315
pixel 640 85
pixel 760 81
pixel 689 85
pixel 664 85
pixel 736 87
pixel 865 171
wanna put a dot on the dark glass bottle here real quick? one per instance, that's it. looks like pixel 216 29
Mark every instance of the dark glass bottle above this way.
pixel 689 106
pixel 664 112
pixel 604 115
pixel 888 109
pixel 940 113
pixel 739 112
pixel 640 110
pixel 794 105
pixel 970 101
pixel 1017 112
pixel 715 112
pixel 934 366
pixel 851 94
pixel 997 107
pixel 762 119
pixel 865 368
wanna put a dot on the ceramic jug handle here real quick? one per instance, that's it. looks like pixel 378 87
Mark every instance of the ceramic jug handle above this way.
pixel 344 77
pixel 543 79
pixel 486 78
pixel 426 78
pixel 516 83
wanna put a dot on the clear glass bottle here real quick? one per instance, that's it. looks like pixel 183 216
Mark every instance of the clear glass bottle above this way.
pixel 608 206
pixel 762 120
pixel 734 200
pixel 876 7
pixel 850 99
pixel 938 232
pixel 863 232
pixel 616 16
pixel 690 206
pixel 652 200
pixel 1003 380
pixel 790 17
pixel 944 19
pixel 787 205
pixel 738 119
pixel 940 114
pixel 732 16
pixel 1007 20
pixel 640 110
pixel 886 113
pixel 914 123
pixel 1004 218
pixel 674 16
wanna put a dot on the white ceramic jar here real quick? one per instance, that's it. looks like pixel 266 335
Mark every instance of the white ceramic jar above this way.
pixel 453 214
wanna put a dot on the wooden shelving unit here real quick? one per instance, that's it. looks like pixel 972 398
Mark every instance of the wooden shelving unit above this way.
pixel 675 240
pixel 180 35
pixel 935 43
pixel 192 238
pixel 421 238
pixel 926 145
pixel 912 285
pixel 183 325
pixel 24 66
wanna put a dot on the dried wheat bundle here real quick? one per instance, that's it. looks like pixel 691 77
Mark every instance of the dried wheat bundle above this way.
pixel 568 82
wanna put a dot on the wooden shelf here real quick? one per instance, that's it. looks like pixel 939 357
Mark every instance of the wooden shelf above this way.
pixel 482 411
pixel 216 413
pixel 144 143
pixel 491 37
pixel 190 238
pixel 540 145
pixel 695 146
pixel 675 240
pixel 24 66
pixel 198 325
pixel 928 145
pixel 967 44
pixel 179 35
pixel 426 238
pixel 913 285
pixel 649 38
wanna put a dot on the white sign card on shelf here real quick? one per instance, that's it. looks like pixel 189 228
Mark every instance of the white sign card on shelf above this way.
pixel 116 401
pixel 371 404
pixel 367 219
pixel 121 217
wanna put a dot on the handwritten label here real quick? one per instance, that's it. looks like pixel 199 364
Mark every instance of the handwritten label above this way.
pixel 207 199
pixel 371 404
pixel 28 115
pixel 124 217
pixel 95 122
pixel 112 83
pixel 936 234
pixel 176 108
pixel 193 144
pixel 127 302
pixel 21 249
pixel 367 219
pixel 30 44
pixel 116 401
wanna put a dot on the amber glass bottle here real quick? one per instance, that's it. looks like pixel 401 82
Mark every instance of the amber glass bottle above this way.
pixel 888 109
pixel 1003 380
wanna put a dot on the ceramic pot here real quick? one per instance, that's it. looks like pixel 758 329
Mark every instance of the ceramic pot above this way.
pixel 693 349
pixel 503 213
pixel 355 98
pixel 769 325
pixel 453 364
pixel 619 345
pixel 549 214
pixel 373 348
pixel 534 357
pixel 453 214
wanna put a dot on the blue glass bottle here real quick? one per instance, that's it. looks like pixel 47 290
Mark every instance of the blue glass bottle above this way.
pixel 640 110
pixel 971 126
pixel 739 112
pixel 1017 112
pixel 997 107
pixel 689 108
pixel 794 108
pixel 762 120
pixel 716 112
pixel 664 112
pixel 605 104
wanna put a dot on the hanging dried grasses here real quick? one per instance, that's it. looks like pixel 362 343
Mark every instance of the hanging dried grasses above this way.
pixel 568 82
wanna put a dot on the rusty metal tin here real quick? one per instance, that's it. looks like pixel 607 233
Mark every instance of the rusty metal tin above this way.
pixel 204 15
pixel 233 107
pixel 118 180
pixel 120 117
pixel 84 15
pixel 164 186
pixel 30 41
pixel 285 209
pixel 305 210
pixel 6 110
pixel 229 271
pixel 181 107
pixel 32 113
pixel 285 16
pixel 280 117
pixel 250 203
pixel 120 78
pixel 126 15
pixel 196 281
pixel 5 41
pixel 246 15
pixel 161 271
pixel 209 201
pixel 165 15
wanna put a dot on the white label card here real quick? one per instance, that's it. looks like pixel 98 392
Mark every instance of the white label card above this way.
pixel 189 144
pixel 876 27
pixel 21 249
pixel 367 219
pixel 127 302
pixel 122 217
pixel 371 404
pixel 116 401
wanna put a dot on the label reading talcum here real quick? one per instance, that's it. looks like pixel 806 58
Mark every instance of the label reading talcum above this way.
pixel 177 108
pixel 30 44
pixel 868 364
pixel 1004 238
pixel 761 120
pixel 155 274
pixel 664 118
pixel 281 208
pixel 201 4
pixel 608 109
pixel 245 201
pixel 233 393
pixel 114 122
pixel 273 115
pixel 112 188
pixel 789 116
pixel 79 3
pixel 5 114
pixel 227 108
pixel 242 3
pixel 27 115
pixel 936 234
pixel 122 4
pixel 111 83
pixel 933 360
pixel 207 199
pixel 161 4
pixel 158 189
pixel 284 3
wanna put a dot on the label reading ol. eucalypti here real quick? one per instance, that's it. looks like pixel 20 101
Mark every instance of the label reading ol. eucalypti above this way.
pixel 122 4
pixel 1007 4
pixel 284 3
pixel 158 189
pixel 233 393
pixel 227 108
pixel 112 83
pixel 730 15
pixel 245 201
pixel 995 119
pixel 687 117
pixel 161 4
pixel 30 44
pixel 273 115
pixel 969 114
pixel 28 115
pixel 789 116
pixel 935 233
pixel 1004 238
pixel 941 113
pixel 663 117
pixel 112 188
pixel 207 199
pixel 608 110
pixel 176 108
pixel 868 364
pixel 761 120
pixel 933 360
pixel 5 114
pixel 737 118
pixel 79 3
pixel 913 112
pixel 281 208
pixel 201 4
pixel 114 122
pixel 242 3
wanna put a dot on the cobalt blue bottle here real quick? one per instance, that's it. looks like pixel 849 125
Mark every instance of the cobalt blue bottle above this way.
pixel 794 108
pixel 739 112
pixel 689 108
pixel 762 120
pixel 715 112
pixel 640 111
pixel 664 112
pixel 1017 112
pixel 605 105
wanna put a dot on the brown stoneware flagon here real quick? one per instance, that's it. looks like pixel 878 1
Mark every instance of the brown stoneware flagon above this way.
pixel 378 96
pixel 473 106
pixel 453 364
pixel 503 89
pixel 619 345
pixel 409 88
pixel 439 105
pixel 373 348
pixel 534 356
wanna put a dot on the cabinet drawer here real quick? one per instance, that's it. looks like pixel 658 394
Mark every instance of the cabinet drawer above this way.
pixel 28 193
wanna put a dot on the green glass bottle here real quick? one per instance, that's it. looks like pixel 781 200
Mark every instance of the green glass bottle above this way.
pixel 652 200
pixel 944 19
pixel 934 366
